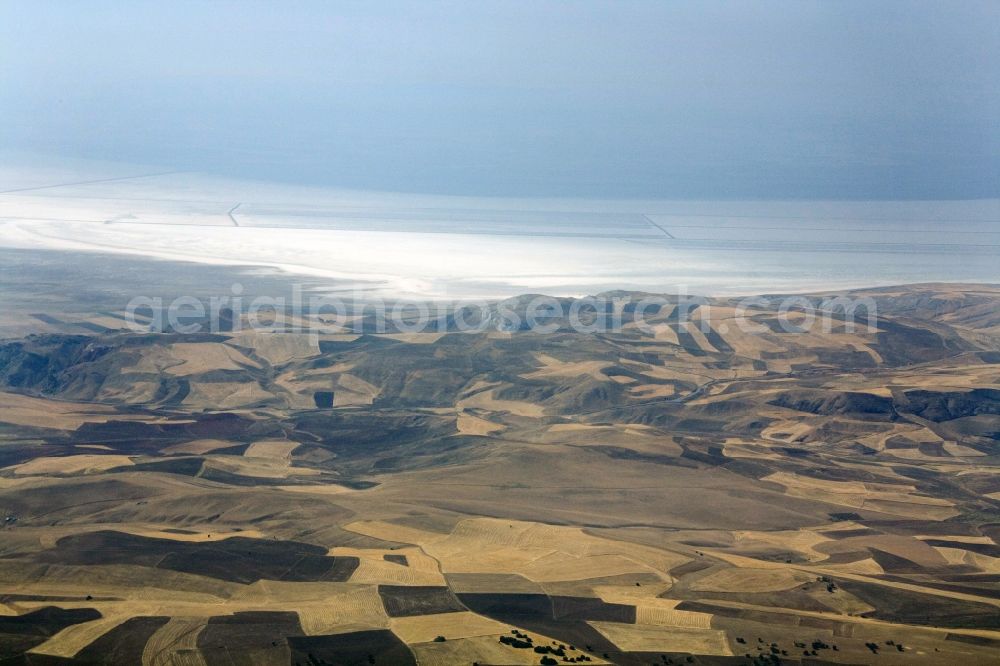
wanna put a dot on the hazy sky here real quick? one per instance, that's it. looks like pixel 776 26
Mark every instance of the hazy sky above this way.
pixel 623 99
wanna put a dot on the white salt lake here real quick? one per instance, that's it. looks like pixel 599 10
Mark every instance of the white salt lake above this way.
pixel 429 246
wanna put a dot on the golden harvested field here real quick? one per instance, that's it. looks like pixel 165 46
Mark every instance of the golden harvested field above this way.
pixel 178 635
pixel 277 348
pixel 271 449
pixel 486 401
pixel 654 638
pixel 23 410
pixel 71 640
pixel 80 464
pixel 425 628
pixel 198 357
pixel 473 425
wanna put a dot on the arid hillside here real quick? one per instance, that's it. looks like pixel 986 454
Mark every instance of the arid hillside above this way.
pixel 690 490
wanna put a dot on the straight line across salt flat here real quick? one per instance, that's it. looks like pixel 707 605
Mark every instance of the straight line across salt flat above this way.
pixel 89 182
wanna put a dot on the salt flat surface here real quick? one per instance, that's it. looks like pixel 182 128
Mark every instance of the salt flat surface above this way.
pixel 458 247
